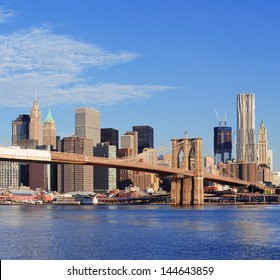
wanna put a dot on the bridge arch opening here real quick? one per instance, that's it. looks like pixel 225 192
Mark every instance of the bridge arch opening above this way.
pixel 181 157
pixel 191 159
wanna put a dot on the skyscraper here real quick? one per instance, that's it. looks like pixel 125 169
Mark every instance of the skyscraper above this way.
pixel 87 124
pixel 111 136
pixel 105 178
pixel 9 174
pixel 135 139
pixel 35 126
pixel 145 137
pixel 222 143
pixel 20 137
pixel 50 131
pixel 20 130
pixel 262 145
pixel 76 177
pixel 246 148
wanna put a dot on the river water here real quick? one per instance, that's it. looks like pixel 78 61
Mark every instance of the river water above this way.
pixel 140 232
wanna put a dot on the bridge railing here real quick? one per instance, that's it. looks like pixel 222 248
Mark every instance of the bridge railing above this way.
pixel 18 153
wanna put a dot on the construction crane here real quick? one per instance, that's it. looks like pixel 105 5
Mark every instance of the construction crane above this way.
pixel 221 122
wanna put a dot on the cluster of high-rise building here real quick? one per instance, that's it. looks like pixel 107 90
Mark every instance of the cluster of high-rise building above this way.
pixel 89 139
pixel 253 158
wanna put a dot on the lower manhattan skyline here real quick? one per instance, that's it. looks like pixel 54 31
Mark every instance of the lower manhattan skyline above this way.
pixel 113 108
pixel 171 69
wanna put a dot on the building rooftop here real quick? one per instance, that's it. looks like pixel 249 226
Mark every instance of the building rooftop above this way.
pixel 49 117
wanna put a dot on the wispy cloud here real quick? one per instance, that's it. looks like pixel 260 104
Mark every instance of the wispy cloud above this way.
pixel 38 50
pixel 5 15
pixel 59 66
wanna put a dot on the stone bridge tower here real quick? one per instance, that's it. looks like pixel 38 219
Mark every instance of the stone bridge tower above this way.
pixel 187 154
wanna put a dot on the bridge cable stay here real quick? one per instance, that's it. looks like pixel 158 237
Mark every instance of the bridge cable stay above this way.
pixel 168 149
pixel 163 150
pixel 232 175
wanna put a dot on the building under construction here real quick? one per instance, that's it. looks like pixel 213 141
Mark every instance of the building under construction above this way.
pixel 222 142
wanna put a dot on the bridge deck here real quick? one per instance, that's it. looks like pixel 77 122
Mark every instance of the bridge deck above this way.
pixel 42 156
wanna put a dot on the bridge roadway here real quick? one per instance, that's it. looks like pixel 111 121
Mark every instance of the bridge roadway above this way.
pixel 59 157
pixel 42 156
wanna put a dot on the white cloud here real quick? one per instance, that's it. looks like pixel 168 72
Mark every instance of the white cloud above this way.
pixel 39 50
pixel 5 15
pixel 57 65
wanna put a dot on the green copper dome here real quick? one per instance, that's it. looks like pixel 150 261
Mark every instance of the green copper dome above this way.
pixel 49 117
pixel 262 124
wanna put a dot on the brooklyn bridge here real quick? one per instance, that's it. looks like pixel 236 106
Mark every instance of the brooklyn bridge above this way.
pixel 186 173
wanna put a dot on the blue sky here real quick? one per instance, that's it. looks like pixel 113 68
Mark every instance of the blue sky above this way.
pixel 164 63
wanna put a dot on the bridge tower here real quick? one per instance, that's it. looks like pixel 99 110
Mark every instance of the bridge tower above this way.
pixel 187 154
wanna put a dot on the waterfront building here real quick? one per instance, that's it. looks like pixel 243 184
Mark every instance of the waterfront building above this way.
pixel 246 149
pixel 124 175
pixel 146 181
pixel 264 174
pixel 76 177
pixel 145 137
pixel 246 171
pixel 49 131
pixel 35 126
pixel 43 176
pixel 111 136
pixel 105 178
pixel 87 124
pixel 9 174
pixel 222 143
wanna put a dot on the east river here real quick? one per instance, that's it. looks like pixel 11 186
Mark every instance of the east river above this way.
pixel 140 232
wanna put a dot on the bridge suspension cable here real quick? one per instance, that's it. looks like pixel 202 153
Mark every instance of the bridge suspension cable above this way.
pixel 221 171
pixel 162 150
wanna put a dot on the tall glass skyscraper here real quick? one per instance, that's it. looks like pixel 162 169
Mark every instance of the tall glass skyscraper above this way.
pixel 222 143
pixel 145 137
pixel 246 147
pixel 20 129
pixel 110 135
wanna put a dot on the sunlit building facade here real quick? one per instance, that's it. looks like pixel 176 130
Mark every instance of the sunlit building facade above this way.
pixel 246 147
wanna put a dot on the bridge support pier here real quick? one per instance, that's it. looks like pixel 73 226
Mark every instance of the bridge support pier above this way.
pixel 187 190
